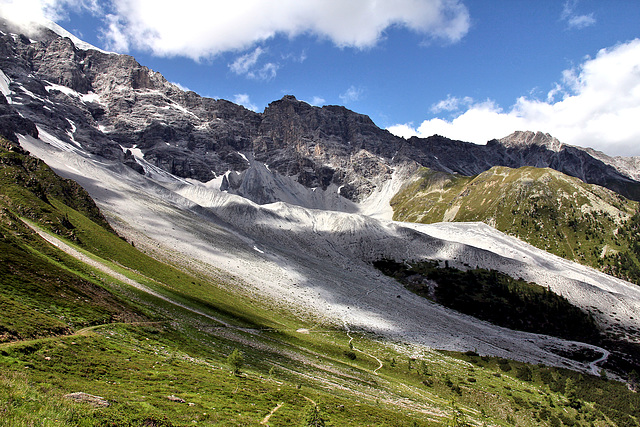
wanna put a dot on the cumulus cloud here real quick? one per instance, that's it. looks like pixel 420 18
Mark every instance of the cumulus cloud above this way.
pixel 25 12
pixel 350 95
pixel 596 104
pixel 480 123
pixel 244 100
pixel 201 29
pixel 574 20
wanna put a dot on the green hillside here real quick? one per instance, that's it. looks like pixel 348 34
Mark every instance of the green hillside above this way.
pixel 159 353
pixel 552 211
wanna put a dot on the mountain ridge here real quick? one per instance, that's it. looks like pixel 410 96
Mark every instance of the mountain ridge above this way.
pixel 114 107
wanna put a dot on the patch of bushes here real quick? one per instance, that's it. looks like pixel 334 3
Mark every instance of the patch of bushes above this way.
pixel 497 298
pixel 350 354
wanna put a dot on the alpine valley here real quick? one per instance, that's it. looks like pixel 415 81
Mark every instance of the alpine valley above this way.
pixel 169 259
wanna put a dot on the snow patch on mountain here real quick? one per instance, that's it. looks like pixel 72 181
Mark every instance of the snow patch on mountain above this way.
pixel 54 141
pixel 4 86
pixel 80 44
pixel 84 97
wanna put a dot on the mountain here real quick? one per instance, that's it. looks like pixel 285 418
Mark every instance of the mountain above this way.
pixel 109 105
pixel 550 210
pixel 232 230
pixel 271 281
pixel 158 142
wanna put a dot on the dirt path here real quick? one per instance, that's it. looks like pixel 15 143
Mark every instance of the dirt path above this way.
pixel 375 371
pixel 265 420
pixel 80 332
pixel 595 369
pixel 111 272
pixel 310 400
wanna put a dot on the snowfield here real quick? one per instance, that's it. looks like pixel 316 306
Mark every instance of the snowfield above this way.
pixel 316 263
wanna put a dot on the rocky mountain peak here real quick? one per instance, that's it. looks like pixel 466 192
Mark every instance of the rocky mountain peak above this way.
pixel 520 139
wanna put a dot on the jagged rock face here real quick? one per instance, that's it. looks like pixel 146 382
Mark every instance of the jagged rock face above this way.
pixel 324 146
pixel 11 123
pixel 117 104
pixel 522 139
pixel 109 105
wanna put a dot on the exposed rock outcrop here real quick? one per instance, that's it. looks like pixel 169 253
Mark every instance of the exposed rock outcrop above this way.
pixel 81 397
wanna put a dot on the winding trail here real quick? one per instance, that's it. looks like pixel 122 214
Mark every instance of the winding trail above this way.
pixel 55 241
pixel 265 420
pixel 595 369
pixel 118 276
pixel 310 400
pixel 80 332
pixel 375 371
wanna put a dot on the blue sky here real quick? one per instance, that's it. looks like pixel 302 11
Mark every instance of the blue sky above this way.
pixel 468 69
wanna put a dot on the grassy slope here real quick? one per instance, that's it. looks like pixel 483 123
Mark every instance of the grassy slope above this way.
pixel 45 292
pixel 546 208
pixel 142 349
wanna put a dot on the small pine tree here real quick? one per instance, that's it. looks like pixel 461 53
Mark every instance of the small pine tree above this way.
pixel 424 369
pixel 634 379
pixel 312 417
pixel 524 373
pixel 235 361
pixel 570 392
pixel 457 418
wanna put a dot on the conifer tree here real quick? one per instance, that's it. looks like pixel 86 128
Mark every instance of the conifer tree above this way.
pixel 235 361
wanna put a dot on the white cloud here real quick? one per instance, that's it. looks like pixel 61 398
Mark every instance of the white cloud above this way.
pixel 351 95
pixel 201 29
pixel 573 20
pixel 480 123
pixel 25 13
pixel 404 130
pixel 452 103
pixel 317 101
pixel 244 100
pixel 246 62
pixel 248 65
pixel 600 107
pixel 581 21
pixel 118 42
pixel 267 72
